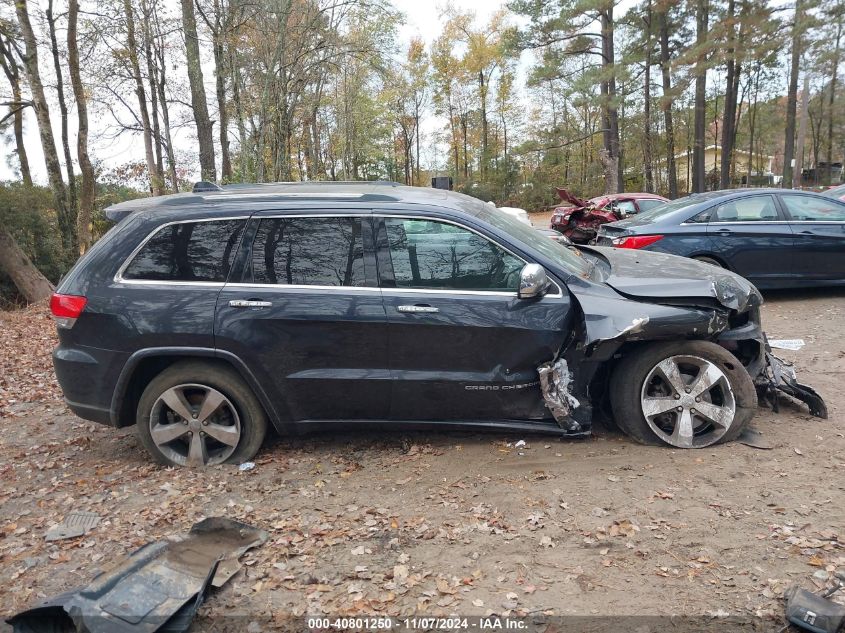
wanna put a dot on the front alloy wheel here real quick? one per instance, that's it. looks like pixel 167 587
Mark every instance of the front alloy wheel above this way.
pixel 687 401
pixel 687 394
pixel 195 425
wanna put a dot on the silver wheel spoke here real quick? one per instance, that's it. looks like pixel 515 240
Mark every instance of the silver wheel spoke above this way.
pixel 197 453
pixel 653 405
pixel 164 433
pixel 706 380
pixel 213 400
pixel 720 416
pixel 672 374
pixel 175 399
pixel 682 434
pixel 228 435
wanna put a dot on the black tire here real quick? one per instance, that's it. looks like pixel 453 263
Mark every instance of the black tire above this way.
pixel 627 390
pixel 251 416
pixel 709 260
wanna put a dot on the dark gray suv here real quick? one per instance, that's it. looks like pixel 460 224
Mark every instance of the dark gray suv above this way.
pixel 204 317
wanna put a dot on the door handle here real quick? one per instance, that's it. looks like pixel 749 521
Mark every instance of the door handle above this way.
pixel 249 303
pixel 418 309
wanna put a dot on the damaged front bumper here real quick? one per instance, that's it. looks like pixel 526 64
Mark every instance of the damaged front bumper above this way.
pixel 779 376
pixel 567 383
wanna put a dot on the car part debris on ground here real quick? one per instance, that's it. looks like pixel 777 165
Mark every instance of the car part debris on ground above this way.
pixel 76 523
pixel 814 612
pixel 161 583
pixel 793 344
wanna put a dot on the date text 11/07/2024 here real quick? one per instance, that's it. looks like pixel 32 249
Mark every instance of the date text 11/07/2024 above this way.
pixel 491 623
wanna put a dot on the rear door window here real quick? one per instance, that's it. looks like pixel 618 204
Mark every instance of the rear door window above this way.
pixel 314 251
pixel 750 209
pixel 188 251
pixel 812 209
pixel 427 254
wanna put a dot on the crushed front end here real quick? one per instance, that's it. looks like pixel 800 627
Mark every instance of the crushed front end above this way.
pixel 654 299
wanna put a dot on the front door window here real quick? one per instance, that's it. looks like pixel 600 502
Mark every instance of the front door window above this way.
pixel 428 254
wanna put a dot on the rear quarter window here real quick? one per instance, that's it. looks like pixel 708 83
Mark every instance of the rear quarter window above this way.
pixel 188 251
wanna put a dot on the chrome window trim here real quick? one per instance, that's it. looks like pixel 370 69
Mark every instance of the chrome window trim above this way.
pixel 118 276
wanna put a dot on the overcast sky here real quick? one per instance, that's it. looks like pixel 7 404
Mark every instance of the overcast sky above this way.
pixel 424 18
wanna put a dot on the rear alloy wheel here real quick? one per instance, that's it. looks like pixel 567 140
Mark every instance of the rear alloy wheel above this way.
pixel 197 415
pixel 687 394
pixel 195 425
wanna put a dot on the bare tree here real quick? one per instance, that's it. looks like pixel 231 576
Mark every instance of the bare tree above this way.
pixel 60 92
pixel 86 194
pixel 9 62
pixel 67 222
pixel 198 103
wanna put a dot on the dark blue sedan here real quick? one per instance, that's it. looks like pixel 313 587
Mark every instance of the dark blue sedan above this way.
pixel 777 238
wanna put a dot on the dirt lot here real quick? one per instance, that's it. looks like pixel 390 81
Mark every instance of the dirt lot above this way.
pixel 444 522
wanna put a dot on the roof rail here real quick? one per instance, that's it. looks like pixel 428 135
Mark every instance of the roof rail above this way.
pixel 203 186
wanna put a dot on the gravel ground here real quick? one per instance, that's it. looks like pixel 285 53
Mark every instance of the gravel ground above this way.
pixel 400 523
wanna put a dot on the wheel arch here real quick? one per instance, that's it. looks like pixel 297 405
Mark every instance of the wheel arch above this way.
pixel 146 364
pixel 722 261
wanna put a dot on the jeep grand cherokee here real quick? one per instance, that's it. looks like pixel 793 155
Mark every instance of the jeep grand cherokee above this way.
pixel 205 317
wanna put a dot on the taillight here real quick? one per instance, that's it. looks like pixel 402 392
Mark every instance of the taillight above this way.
pixel 66 309
pixel 635 241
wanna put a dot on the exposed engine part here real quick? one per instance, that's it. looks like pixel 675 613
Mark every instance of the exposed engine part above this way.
pixel 556 383
pixel 778 375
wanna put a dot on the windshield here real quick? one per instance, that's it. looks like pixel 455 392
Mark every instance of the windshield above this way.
pixel 671 207
pixel 568 257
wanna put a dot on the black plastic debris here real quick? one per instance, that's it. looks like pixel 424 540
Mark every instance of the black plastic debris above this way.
pixel 813 612
pixel 159 587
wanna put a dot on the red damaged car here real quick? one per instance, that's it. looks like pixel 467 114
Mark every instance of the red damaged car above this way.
pixel 581 221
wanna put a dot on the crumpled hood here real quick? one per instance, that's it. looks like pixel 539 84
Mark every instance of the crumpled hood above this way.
pixel 662 277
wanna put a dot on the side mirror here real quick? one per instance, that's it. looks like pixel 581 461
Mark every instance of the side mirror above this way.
pixel 533 281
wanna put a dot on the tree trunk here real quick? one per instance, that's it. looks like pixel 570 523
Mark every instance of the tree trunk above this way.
pixel 830 109
pixel 649 175
pixel 792 97
pixel 10 68
pixel 161 80
pixel 699 130
pixel 66 220
pixel 218 37
pixel 86 194
pixel 613 164
pixel 198 103
pixel 753 124
pixel 666 105
pixel 797 178
pixel 60 91
pixel 729 115
pixel 482 96
pixel 152 78
pixel 132 49
pixel 29 281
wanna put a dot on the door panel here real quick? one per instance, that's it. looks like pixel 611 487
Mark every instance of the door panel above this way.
pixel 462 346
pixel 752 237
pixel 309 320
pixel 818 224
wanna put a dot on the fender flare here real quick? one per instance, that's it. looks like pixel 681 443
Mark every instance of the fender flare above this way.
pixel 188 352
